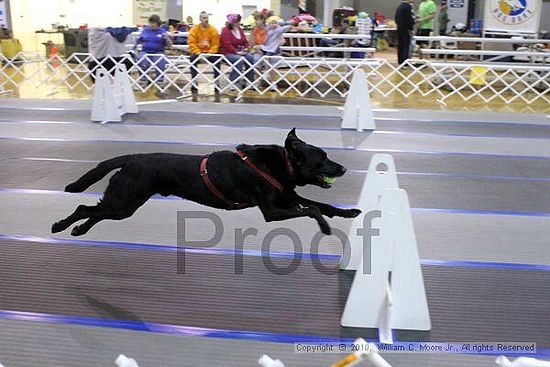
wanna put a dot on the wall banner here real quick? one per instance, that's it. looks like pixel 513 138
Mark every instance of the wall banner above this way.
pixel 143 9
pixel 512 15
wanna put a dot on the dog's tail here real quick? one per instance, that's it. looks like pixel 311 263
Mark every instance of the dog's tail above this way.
pixel 96 174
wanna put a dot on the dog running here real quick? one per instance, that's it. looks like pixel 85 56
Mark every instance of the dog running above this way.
pixel 254 175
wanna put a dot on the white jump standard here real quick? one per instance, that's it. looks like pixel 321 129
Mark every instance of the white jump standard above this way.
pixel 358 113
pixel 112 100
pixel 388 288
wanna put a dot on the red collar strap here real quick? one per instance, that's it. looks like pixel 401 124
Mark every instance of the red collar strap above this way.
pixel 272 180
pixel 289 167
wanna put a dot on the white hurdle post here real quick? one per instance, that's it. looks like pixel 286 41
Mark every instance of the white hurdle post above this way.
pixel 358 113
pixel 502 361
pixel 381 175
pixel 388 293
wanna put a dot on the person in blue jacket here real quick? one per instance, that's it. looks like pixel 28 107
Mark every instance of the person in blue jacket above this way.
pixel 154 41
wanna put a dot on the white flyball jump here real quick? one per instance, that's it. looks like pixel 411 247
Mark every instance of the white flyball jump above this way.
pixel 388 290
pixel 358 113
pixel 123 361
pixel 112 100
pixel 381 175
pixel 367 352
pixel 267 361
pixel 521 362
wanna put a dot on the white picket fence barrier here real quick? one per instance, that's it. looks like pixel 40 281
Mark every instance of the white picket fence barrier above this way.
pixel 288 76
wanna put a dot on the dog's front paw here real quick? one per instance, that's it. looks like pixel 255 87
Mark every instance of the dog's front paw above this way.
pixel 58 227
pixel 78 231
pixel 351 213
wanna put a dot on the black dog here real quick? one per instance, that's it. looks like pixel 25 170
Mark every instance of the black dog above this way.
pixel 254 175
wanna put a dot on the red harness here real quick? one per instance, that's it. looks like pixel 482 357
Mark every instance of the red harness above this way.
pixel 230 204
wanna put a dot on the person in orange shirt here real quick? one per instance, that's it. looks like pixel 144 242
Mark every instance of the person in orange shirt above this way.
pixel 259 32
pixel 203 39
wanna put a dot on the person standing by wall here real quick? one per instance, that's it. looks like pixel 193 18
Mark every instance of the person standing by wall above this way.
pixel 404 19
pixel 203 39
pixel 234 46
pixel 443 19
pixel 154 40
pixel 426 16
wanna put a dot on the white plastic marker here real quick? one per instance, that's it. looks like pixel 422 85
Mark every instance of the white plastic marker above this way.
pixel 381 175
pixel 267 361
pixel 124 95
pixel 521 362
pixel 123 361
pixel 104 107
pixel 112 100
pixel 365 352
pixel 390 294
pixel 358 113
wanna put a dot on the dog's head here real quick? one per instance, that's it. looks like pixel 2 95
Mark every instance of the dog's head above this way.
pixel 310 163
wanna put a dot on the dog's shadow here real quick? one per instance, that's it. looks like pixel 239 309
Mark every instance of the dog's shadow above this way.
pixel 90 338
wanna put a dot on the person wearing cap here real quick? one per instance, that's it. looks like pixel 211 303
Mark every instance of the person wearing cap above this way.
pixel 234 46
pixel 203 39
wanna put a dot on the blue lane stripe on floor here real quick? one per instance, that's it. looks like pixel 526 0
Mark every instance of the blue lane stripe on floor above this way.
pixel 166 329
pixel 344 206
pixel 288 255
pixel 192 331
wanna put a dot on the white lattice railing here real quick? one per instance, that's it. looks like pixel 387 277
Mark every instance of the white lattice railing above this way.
pixel 286 76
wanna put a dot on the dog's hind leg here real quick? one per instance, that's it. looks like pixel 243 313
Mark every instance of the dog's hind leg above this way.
pixel 125 193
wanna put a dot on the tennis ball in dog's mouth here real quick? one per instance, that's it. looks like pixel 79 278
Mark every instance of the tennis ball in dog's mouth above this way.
pixel 329 180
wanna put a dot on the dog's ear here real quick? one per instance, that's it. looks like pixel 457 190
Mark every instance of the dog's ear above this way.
pixel 291 143
pixel 292 138
pixel 292 133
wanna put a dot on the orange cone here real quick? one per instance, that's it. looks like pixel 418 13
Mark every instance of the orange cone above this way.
pixel 54 58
